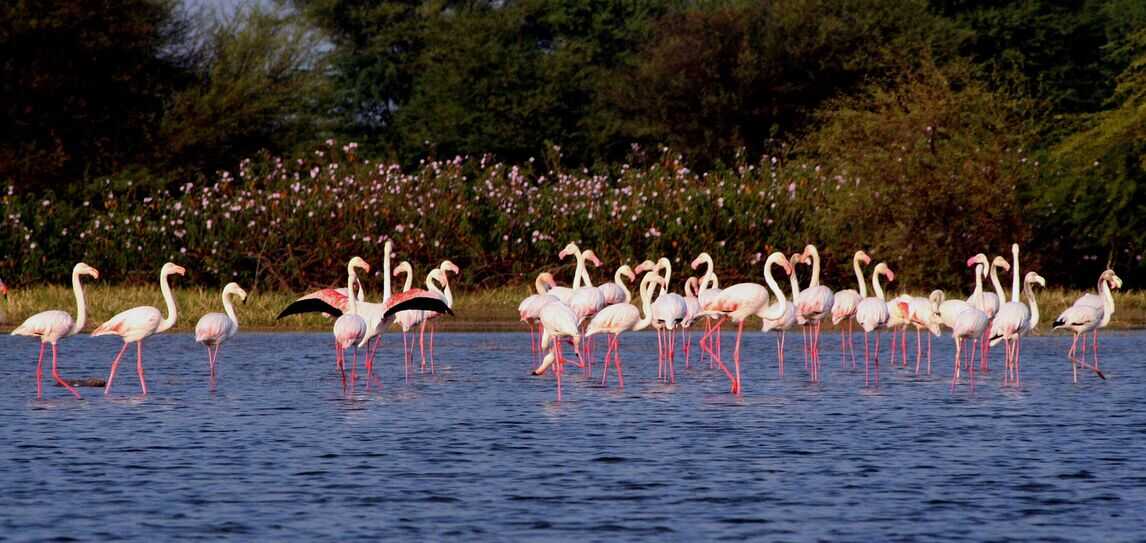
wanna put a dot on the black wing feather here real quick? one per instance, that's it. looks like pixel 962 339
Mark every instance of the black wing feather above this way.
pixel 423 303
pixel 309 305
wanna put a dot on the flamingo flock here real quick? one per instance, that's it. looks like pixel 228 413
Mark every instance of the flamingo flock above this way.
pixel 984 319
pixel 575 315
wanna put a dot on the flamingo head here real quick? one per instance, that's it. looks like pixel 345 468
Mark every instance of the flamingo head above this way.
pixel 403 267
pixel 547 279
pixel 702 258
pixel 882 269
pixel 592 257
pixel 570 249
pixel 170 268
pixel 1015 249
pixel 626 271
pixel 644 266
pixel 1111 279
pixel 80 268
pixel 810 252
pixel 358 263
pixel 447 266
pixel 978 259
pixel 235 289
pixel 3 289
pixel 787 265
pixel 797 258
pixel 862 257
pixel 1035 278
pixel 1000 262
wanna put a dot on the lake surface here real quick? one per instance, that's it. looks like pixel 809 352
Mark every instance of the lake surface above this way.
pixel 482 450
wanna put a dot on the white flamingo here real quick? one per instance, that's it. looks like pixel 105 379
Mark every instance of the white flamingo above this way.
pixel 1086 316
pixel 737 303
pixel 709 291
pixel 140 322
pixel 530 307
pixel 53 325
pixel 213 329
pixel 872 315
pixel 781 315
pixel 844 305
pixel 623 317
pixel 923 314
pixel 1105 300
pixel 1012 321
pixel 814 305
pixel 350 327
pixel 669 311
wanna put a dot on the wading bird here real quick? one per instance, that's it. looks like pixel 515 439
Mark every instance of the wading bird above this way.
pixel 51 326
pixel 215 328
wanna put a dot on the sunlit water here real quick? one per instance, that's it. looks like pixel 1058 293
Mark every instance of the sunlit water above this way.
pixel 482 450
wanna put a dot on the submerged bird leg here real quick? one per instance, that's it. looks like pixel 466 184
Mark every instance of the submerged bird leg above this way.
pixel 139 366
pixel 56 374
pixel 40 373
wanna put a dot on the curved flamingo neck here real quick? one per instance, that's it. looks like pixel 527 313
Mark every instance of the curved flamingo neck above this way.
pixel 795 281
pixel 875 285
pixel 172 312
pixel 81 305
pixel 409 283
pixel 539 284
pixel 449 294
pixel 646 294
pixel 229 307
pixel 1002 294
pixel 580 272
pixel 1032 303
pixel 352 300
pixel 1015 275
pixel 815 282
pixel 771 281
pixel 619 279
pixel 859 276
pixel 667 266
pixel 1107 298
pixel 688 292
pixel 979 283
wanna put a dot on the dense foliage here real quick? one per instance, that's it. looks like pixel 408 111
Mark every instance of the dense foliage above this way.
pixel 921 130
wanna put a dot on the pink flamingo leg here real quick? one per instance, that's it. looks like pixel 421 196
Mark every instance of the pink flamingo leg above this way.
pixel 139 366
pixel 928 354
pixel 877 357
pixel 866 372
pixel 851 338
pixel 672 355
pixel 433 328
pixel 894 345
pixel 918 350
pixel 1095 349
pixel 617 360
pixel 1018 359
pixel 40 374
pixel 114 365
pixel 780 352
pixel 422 344
pixel 958 362
pixel 608 351
pixel 557 369
pixel 736 358
pixel 56 374
pixel 406 352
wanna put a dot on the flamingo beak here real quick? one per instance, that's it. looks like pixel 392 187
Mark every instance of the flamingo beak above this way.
pixel 972 261
pixel 180 270
pixel 95 273
pixel 890 275
pixel 695 263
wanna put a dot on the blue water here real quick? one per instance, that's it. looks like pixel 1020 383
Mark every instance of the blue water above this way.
pixel 482 451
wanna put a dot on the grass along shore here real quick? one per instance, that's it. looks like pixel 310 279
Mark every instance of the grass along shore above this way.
pixel 488 309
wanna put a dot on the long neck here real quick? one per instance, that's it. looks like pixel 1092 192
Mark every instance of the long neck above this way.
pixel 859 277
pixel 1107 300
pixel 646 303
pixel 688 292
pixel 815 269
pixel 875 285
pixel 668 276
pixel 579 272
pixel 81 305
pixel 541 286
pixel 999 285
pixel 351 298
pixel 386 272
pixel 1014 278
pixel 709 281
pixel 979 283
pixel 229 307
pixel 172 313
pixel 771 281
pixel 446 289
pixel 585 276
pixel 410 281
pixel 619 279
pixel 1033 304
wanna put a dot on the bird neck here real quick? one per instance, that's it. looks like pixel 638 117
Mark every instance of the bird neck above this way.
pixel 1107 299
pixel 229 307
pixel 352 300
pixel 580 271
pixel 619 279
pixel 815 282
pixel 1032 303
pixel 172 312
pixel 409 283
pixel 771 281
pixel 878 289
pixel 1002 294
pixel 859 276
pixel 646 301
pixel 541 286
pixel 81 305
pixel 1015 275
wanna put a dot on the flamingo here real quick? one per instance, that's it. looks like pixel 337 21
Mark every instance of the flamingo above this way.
pixel 622 317
pixel 558 322
pixel 350 327
pixel 692 312
pixel 709 291
pixel 616 292
pixel 138 323
pixel 1086 316
pixel 529 308
pixel 53 325
pixel 669 311
pixel 988 302
pixel 872 315
pixel 436 276
pixel 407 320
pixel 781 315
pixel 923 314
pixel 897 312
pixel 1015 319
pixel 215 328
pixel 794 280
pixel 1104 300
pixel 585 300
pixel 813 305
pixel 949 310
pixel 737 303
pixel 845 302
pixel 968 324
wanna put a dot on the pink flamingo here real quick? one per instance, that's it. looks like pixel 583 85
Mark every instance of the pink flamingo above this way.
pixel 923 314
pixel 872 315
pixel 622 317
pixel 215 328
pixel 737 303
pixel 350 327
pixel 407 320
pixel 1087 316
pixel 1013 320
pixel 692 312
pixel 530 307
pixel 781 315
pixel 669 311
pixel 439 275
pixel 616 292
pixel 898 317
pixel 988 302
pixel 557 323
pixel 53 325
pixel 136 324
pixel 1105 301
pixel 969 324
pixel 709 291
pixel 844 305
pixel 813 305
